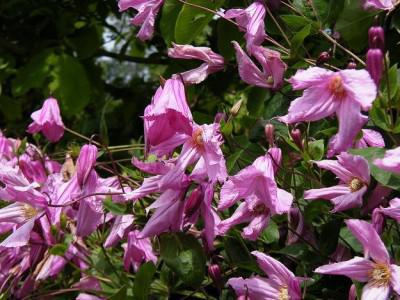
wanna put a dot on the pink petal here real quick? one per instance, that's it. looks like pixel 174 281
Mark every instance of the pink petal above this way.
pixel 395 278
pixel 357 268
pixel 273 268
pixel 326 193
pixel 255 288
pixel 310 77
pixel 348 201
pixel 357 166
pixel 390 162
pixel 19 237
pixel 372 291
pixel 337 168
pixel 369 238
pixel 256 227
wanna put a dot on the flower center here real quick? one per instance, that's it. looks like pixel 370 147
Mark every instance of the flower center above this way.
pixel 355 184
pixel 259 209
pixel 29 211
pixel 283 293
pixel 197 137
pixel 380 275
pixel 270 79
pixel 336 86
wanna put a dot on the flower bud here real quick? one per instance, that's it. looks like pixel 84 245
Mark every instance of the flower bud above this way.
pixel 375 64
pixel 323 58
pixel 85 163
pixel 295 134
pixel 236 107
pixel 269 133
pixel 351 64
pixel 214 271
pixel 376 38
pixel 193 202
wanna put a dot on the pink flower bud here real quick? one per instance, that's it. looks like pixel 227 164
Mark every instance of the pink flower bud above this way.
pixel 375 64
pixel 214 271
pixel 193 202
pixel 323 58
pixel 269 133
pixel 85 163
pixel 296 137
pixel 376 38
pixel 351 64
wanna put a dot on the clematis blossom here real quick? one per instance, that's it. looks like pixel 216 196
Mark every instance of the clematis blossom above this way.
pixel 213 62
pixel 48 121
pixel 375 268
pixel 378 4
pixel 344 93
pixel 146 16
pixel 392 211
pixel 354 175
pixel 168 119
pixel 251 21
pixel 137 251
pixel 280 284
pixel 273 68
pixel 390 162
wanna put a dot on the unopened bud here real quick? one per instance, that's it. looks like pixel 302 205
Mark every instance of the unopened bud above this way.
pixel 323 58
pixel 214 271
pixel 296 137
pixel 376 38
pixel 236 107
pixel 193 202
pixel 269 133
pixel 375 64
pixel 351 64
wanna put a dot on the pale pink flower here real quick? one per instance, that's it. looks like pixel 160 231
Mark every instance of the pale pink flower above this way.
pixel 85 163
pixel 48 121
pixel 280 284
pixel 378 4
pixel 390 162
pixel 354 175
pixel 344 93
pixel 273 68
pixel 213 62
pixel 251 21
pixel 147 11
pixel 392 211
pixel 137 251
pixel 381 276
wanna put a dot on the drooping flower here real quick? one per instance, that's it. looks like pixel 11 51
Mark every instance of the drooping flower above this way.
pixel 354 175
pixel 119 229
pixel 381 276
pixel 392 211
pixel 258 180
pixel 280 284
pixel 146 16
pixel 250 21
pixel 345 93
pixel 213 62
pixel 137 251
pixel 378 4
pixel 48 121
pixel 390 162
pixel 85 163
pixel 168 119
pixel 369 138
pixel 273 68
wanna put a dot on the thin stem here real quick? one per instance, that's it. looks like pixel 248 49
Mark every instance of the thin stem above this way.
pixel 279 26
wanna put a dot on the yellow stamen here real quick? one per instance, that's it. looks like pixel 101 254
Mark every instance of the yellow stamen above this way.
pixel 197 137
pixel 284 293
pixel 356 184
pixel 380 275
pixel 336 86
pixel 29 211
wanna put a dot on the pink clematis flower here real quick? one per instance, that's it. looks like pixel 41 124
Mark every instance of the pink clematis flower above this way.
pixel 251 21
pixel 273 68
pixel 168 119
pixel 345 93
pixel 85 163
pixel 213 62
pixel 146 16
pixel 381 276
pixel 370 138
pixel 280 284
pixel 354 175
pixel 48 121
pixel 137 251
pixel 258 180
pixel 392 211
pixel 378 4
pixel 390 162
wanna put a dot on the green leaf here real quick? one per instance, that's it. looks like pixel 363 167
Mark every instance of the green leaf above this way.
pixel 298 39
pixel 238 253
pixel 227 32
pixel 169 15
pixel 143 280
pixel 120 295
pixel 70 85
pixel 347 236
pixel 295 22
pixel 58 249
pixel 383 177
pixel 353 24
pixel 114 208
pixel 34 73
pixel 379 116
pixel 271 233
pixel 232 159
pixel 295 250
pixel 316 149
pixel 255 101
pixel 192 20
pixel 86 41
pixel 185 256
